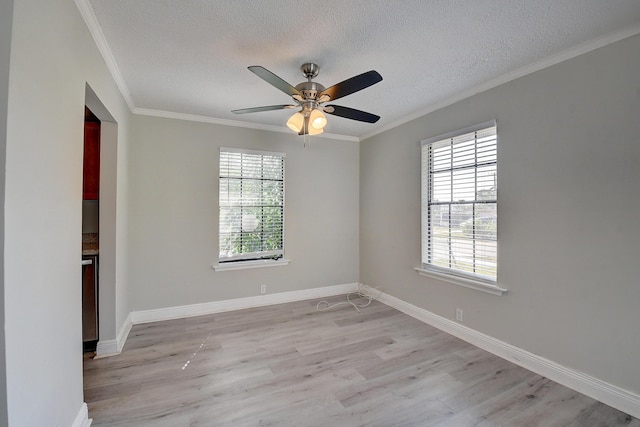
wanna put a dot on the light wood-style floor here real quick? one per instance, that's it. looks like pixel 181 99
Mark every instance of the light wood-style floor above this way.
pixel 290 365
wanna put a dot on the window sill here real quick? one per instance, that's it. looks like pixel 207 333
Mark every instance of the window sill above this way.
pixel 461 281
pixel 243 265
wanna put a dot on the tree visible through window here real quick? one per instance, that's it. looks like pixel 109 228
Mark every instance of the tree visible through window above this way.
pixel 459 203
pixel 251 200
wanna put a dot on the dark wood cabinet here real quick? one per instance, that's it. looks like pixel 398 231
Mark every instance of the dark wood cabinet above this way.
pixel 91 169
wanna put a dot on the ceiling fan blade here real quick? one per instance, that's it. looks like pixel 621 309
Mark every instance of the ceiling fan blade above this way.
pixel 351 113
pixel 265 108
pixel 352 85
pixel 274 80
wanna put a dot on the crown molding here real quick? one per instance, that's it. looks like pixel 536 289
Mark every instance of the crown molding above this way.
pixel 101 42
pixel 96 31
pixel 234 123
pixel 520 72
pixel 103 47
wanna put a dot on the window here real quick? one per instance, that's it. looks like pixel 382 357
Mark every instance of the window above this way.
pixel 251 205
pixel 459 204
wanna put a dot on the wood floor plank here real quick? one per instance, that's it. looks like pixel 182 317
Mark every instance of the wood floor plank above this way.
pixel 292 365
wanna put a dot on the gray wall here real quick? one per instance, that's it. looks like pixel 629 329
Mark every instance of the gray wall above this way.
pixel 174 213
pixel 568 203
pixel 53 57
pixel 6 18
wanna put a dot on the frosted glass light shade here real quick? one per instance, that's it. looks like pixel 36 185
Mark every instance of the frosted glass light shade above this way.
pixel 314 131
pixel 296 122
pixel 317 120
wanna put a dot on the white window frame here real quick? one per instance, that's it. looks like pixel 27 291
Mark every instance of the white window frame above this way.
pixel 263 258
pixel 451 273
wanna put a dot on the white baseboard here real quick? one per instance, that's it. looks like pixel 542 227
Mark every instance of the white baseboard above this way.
pixel 609 394
pixel 238 304
pixel 124 332
pixel 106 348
pixel 82 419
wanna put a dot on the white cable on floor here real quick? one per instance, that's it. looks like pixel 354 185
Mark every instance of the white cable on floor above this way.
pixel 360 293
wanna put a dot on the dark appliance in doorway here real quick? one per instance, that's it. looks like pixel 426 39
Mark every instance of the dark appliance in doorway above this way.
pixel 89 302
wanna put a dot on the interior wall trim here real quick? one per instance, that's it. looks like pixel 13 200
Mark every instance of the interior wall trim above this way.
pixel 213 307
pixel 549 61
pixel 602 391
pixel 234 123
pixel 82 419
pixel 106 348
pixel 95 29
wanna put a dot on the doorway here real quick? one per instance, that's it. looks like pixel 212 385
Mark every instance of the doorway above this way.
pixel 90 231
pixel 106 214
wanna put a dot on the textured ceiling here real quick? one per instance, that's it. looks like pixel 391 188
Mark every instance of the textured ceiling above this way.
pixel 191 56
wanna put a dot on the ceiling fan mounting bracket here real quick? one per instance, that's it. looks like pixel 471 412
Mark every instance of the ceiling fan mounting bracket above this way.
pixel 309 70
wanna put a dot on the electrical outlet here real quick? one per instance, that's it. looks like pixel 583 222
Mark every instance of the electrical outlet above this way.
pixel 263 289
pixel 459 315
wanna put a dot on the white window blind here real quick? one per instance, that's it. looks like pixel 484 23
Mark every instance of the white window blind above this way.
pixel 459 203
pixel 251 203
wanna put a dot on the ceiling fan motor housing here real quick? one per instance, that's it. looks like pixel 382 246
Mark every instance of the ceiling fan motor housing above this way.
pixel 310 90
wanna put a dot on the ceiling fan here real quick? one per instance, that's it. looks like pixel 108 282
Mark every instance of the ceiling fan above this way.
pixel 310 96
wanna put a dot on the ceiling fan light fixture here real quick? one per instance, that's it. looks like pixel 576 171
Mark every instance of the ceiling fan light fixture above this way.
pixel 317 119
pixel 315 131
pixel 296 122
